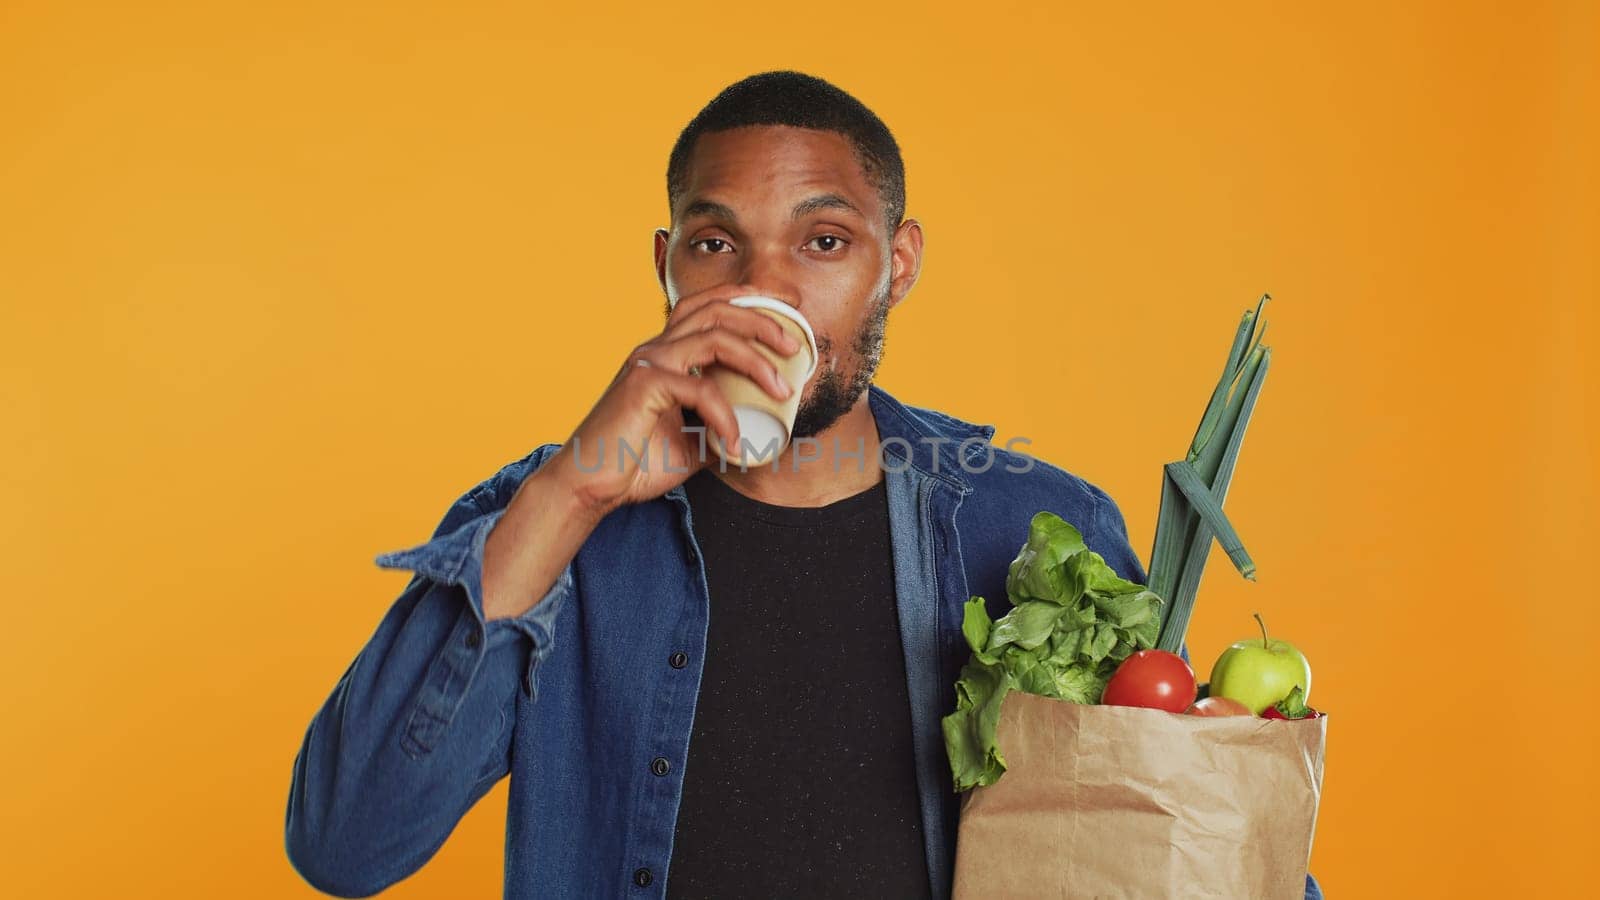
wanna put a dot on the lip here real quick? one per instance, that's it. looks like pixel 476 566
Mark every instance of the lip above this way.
pixel 759 301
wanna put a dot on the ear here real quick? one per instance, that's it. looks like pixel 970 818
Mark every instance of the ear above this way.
pixel 662 237
pixel 905 260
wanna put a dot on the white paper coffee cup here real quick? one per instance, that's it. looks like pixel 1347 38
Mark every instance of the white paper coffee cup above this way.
pixel 765 422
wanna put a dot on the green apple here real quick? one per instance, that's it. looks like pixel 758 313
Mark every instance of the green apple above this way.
pixel 1259 672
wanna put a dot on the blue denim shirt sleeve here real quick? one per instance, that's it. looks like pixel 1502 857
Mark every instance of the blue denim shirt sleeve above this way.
pixel 419 726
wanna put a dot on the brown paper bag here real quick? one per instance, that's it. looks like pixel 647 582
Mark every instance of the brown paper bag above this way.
pixel 1119 802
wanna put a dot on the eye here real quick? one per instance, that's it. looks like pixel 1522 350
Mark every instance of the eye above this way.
pixel 830 242
pixel 718 243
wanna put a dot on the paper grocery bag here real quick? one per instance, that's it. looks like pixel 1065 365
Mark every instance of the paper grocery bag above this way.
pixel 1113 802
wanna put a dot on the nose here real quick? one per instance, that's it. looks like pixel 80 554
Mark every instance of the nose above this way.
pixel 765 272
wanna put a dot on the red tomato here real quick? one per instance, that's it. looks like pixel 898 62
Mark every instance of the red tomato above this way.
pixel 1219 706
pixel 1154 679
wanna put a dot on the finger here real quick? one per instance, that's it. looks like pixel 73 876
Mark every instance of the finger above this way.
pixel 703 348
pixel 699 394
pixel 717 297
pixel 720 294
pixel 740 320
pixel 638 358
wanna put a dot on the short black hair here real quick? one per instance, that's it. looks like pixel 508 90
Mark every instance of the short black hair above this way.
pixel 801 101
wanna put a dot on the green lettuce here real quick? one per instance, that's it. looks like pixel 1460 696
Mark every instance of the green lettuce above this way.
pixel 1072 622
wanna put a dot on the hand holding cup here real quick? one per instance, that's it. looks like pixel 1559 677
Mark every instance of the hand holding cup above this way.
pixel 643 406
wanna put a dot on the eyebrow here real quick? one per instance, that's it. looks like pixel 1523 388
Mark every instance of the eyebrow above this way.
pixel 722 212
pixel 823 201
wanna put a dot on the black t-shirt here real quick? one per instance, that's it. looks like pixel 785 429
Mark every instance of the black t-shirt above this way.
pixel 800 778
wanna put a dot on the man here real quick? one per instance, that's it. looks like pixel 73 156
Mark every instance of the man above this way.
pixel 704 681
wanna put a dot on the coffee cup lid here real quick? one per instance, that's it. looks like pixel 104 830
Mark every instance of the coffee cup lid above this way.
pixel 756 301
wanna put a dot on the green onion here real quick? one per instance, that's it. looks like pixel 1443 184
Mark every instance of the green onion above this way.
pixel 1193 489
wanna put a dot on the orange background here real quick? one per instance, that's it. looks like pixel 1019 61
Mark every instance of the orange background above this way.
pixel 279 281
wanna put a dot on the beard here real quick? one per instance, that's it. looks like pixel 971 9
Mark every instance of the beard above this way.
pixel 835 394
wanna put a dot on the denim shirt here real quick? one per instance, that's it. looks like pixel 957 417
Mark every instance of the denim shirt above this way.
pixel 587 699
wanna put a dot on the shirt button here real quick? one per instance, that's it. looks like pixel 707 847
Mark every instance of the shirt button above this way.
pixel 678 660
pixel 642 877
pixel 472 638
pixel 659 765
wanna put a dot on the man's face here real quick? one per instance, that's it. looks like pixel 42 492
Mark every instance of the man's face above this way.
pixel 790 212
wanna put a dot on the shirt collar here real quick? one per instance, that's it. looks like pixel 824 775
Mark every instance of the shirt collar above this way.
pixel 928 440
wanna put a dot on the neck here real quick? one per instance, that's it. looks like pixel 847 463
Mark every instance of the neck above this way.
pixel 839 462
